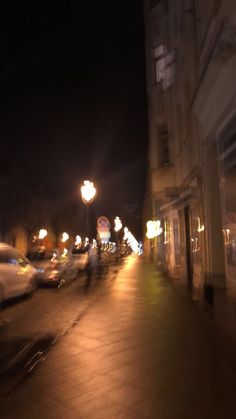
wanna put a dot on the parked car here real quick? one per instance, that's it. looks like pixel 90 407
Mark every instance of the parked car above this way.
pixel 17 275
pixel 54 270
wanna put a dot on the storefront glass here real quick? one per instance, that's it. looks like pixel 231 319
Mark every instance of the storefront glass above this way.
pixel 228 183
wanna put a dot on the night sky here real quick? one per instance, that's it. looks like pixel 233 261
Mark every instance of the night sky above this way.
pixel 73 101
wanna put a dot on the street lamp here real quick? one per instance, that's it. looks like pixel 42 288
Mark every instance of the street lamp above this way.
pixel 78 240
pixel 118 224
pixel 88 193
pixel 64 237
pixel 42 233
pixel 154 229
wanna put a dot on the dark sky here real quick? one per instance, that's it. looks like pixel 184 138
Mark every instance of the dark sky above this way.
pixel 73 100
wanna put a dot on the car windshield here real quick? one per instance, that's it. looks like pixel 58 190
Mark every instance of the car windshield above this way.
pixel 13 258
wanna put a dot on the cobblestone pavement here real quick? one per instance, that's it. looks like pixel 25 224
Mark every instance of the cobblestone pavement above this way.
pixel 142 350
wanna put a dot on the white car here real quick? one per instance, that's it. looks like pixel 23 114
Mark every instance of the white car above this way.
pixel 17 275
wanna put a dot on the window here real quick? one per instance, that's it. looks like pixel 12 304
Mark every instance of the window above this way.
pixel 179 121
pixel 158 51
pixel 227 147
pixel 159 63
pixel 5 257
pixel 176 241
pixel 13 258
pixel 163 63
pixel 164 155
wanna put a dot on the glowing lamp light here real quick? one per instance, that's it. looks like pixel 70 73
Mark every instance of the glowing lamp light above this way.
pixel 132 242
pixel 42 233
pixel 65 253
pixel 118 224
pixel 54 257
pixel 88 192
pixel 65 237
pixel 154 229
pixel 226 233
pixel 200 226
pixel 78 240
pixel 126 231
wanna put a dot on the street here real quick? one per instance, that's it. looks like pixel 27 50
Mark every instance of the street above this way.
pixel 140 350
pixel 32 324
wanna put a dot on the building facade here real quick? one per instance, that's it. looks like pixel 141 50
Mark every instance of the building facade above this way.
pixel 191 90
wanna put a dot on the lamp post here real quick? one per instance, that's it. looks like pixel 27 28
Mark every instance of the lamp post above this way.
pixel 88 193
pixel 42 233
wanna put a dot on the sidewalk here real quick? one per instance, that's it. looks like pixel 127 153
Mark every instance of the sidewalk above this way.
pixel 141 351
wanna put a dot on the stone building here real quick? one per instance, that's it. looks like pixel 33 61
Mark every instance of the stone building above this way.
pixel 191 90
